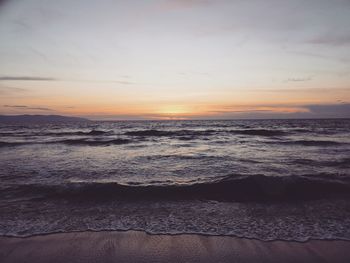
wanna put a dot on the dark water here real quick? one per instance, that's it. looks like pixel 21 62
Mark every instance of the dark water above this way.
pixel 266 179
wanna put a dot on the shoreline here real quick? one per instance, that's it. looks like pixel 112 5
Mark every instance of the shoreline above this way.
pixel 139 246
pixel 173 234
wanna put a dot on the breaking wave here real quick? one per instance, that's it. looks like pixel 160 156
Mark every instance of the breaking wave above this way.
pixel 258 188
pixel 72 142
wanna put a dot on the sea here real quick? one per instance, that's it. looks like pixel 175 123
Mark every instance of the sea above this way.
pixel 260 179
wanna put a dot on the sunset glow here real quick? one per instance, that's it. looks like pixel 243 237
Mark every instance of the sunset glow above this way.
pixel 175 59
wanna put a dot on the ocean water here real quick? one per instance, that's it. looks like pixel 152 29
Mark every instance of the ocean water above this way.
pixel 263 179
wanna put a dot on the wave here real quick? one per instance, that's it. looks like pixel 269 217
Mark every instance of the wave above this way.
pixel 69 133
pixel 257 188
pixel 259 132
pixel 161 133
pixel 81 142
pixel 310 142
pixel 77 142
pixel 9 144
pixel 92 132
pixel 184 134
pixel 342 163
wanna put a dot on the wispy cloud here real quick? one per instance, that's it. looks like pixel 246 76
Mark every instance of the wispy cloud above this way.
pixel 261 108
pixel 299 79
pixel 25 78
pixel 331 40
pixel 293 90
pixel 10 90
pixel 124 82
pixel 319 56
pixel 181 4
pixel 37 78
pixel 124 116
pixel 15 106
pixel 40 108
pixel 23 107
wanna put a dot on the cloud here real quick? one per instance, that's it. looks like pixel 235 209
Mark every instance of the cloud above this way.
pixel 124 117
pixel 15 106
pixel 319 56
pixel 2 2
pixel 340 110
pixel 25 78
pixel 40 108
pixel 299 79
pixel 23 107
pixel 9 90
pixel 331 40
pixel 122 82
pixel 183 4
pixel 289 90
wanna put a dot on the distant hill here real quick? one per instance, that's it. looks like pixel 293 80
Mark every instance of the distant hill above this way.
pixel 39 119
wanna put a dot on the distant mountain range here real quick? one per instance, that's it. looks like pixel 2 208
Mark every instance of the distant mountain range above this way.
pixel 39 119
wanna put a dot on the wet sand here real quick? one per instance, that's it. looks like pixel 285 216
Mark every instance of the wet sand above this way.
pixel 134 246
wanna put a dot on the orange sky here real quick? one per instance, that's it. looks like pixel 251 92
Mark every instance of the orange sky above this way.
pixel 175 59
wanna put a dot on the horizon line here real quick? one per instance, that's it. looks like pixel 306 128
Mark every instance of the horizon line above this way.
pixel 195 119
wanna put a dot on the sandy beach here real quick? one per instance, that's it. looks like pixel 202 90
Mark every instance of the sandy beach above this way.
pixel 134 246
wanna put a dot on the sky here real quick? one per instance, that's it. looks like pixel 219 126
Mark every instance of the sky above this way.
pixel 175 59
